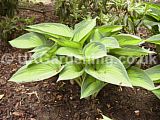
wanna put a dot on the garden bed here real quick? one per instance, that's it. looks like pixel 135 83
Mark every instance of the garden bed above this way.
pixel 49 100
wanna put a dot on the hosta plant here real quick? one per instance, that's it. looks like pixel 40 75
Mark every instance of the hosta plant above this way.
pixel 89 54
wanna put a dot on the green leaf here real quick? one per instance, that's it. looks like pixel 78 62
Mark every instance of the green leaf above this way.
pixel 94 50
pixel 53 29
pixel 127 39
pixel 154 39
pixel 71 52
pixel 109 28
pixel 28 41
pixel 83 28
pixel 71 71
pixel 139 78
pixel 42 54
pixel 154 73
pixel 154 10
pixel 130 51
pixel 47 35
pixel 110 70
pixel 97 36
pixel 149 24
pixel 40 49
pixel 67 43
pixel 90 86
pixel 110 42
pixel 156 91
pixel 37 72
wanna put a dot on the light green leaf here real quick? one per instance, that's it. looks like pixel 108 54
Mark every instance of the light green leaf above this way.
pixel 110 70
pixel 149 24
pixel 156 91
pixel 90 86
pixel 40 49
pixel 83 28
pixel 130 51
pixel 71 52
pixel 71 71
pixel 154 39
pixel 109 28
pixel 28 41
pixel 94 50
pixel 154 10
pixel 37 72
pixel 42 54
pixel 67 43
pixel 39 52
pixel 53 28
pixel 97 36
pixel 47 35
pixel 110 42
pixel 154 73
pixel 127 39
pixel 139 78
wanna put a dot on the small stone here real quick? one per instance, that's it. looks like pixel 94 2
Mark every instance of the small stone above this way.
pixel 1 96
pixel 71 98
pixel 17 113
pixel 137 112
pixel 33 119
pixel 108 105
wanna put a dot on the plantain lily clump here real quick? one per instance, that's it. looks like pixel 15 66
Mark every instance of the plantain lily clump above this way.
pixel 93 56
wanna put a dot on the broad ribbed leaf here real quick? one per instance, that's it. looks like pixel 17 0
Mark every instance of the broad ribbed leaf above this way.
pixel 110 70
pixel 28 41
pixel 37 72
pixel 67 43
pixel 53 28
pixel 97 36
pixel 71 52
pixel 42 54
pixel 127 39
pixel 94 50
pixel 71 71
pixel 154 73
pixel 154 39
pixel 109 28
pixel 40 49
pixel 83 28
pixel 110 42
pixel 47 35
pixel 139 78
pixel 130 51
pixel 90 86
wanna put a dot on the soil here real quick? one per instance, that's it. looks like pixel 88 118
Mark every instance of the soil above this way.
pixel 48 100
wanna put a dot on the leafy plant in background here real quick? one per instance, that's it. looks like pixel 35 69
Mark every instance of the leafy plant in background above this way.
pixel 73 11
pixel 9 27
pixel 129 13
pixel 8 7
pixel 152 18
pixel 110 12
pixel 87 54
